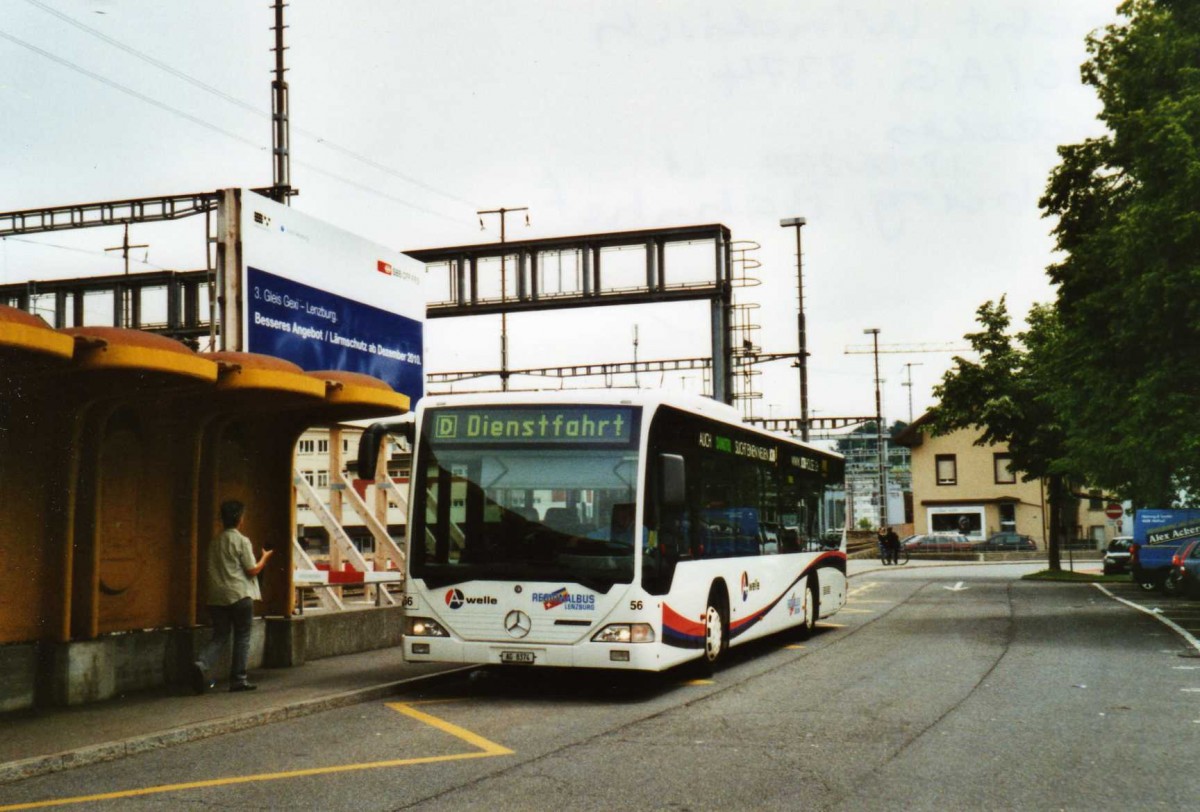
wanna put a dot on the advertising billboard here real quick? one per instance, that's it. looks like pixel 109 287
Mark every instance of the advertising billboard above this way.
pixel 324 298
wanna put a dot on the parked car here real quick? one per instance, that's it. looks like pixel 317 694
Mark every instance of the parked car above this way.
pixel 939 543
pixel 1116 557
pixel 1008 543
pixel 1184 577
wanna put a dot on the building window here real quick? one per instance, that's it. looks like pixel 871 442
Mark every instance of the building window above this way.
pixel 322 446
pixel 1008 517
pixel 967 520
pixel 308 476
pixel 306 446
pixel 947 469
pixel 322 479
pixel 1002 465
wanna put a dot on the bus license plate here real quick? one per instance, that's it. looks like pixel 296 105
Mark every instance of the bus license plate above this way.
pixel 517 657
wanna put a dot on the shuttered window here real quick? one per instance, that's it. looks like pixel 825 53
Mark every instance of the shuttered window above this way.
pixel 947 469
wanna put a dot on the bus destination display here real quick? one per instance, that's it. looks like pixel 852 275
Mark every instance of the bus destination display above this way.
pixel 604 425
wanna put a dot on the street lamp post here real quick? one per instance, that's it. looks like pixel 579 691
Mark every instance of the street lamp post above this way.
pixel 802 359
pixel 874 333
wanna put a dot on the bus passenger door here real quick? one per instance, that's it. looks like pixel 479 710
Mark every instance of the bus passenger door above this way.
pixel 667 537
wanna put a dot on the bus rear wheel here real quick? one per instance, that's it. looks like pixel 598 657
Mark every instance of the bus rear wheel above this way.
pixel 715 641
pixel 812 609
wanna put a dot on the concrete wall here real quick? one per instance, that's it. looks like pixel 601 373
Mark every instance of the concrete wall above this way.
pixel 18 676
pixel 83 671
pixel 347 632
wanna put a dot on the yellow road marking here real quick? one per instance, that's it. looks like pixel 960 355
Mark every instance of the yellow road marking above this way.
pixel 487 749
pixel 825 625
pixel 794 646
pixel 699 682
pixel 856 611
pixel 862 589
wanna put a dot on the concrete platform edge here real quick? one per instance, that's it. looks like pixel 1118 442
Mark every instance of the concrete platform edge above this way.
pixel 110 751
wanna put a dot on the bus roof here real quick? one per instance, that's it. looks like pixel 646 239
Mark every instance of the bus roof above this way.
pixel 648 398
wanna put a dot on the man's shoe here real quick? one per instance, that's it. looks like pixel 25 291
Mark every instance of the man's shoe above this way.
pixel 242 686
pixel 200 682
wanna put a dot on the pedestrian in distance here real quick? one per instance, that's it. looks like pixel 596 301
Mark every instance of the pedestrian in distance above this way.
pixel 889 545
pixel 232 580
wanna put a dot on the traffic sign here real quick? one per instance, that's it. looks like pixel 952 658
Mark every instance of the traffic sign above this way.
pixel 1114 511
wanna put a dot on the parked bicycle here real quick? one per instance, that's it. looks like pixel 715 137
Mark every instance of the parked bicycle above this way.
pixel 902 555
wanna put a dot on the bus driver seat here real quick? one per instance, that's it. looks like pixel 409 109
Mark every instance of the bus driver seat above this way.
pixel 563 519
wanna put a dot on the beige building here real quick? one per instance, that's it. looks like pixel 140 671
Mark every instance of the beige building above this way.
pixel 958 486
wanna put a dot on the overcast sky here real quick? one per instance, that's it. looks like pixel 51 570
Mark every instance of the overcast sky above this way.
pixel 915 138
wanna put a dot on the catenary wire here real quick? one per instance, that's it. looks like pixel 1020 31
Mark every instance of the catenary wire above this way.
pixel 244 105
pixel 210 126
pixel 80 251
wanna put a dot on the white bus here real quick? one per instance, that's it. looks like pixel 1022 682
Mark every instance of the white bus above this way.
pixel 612 530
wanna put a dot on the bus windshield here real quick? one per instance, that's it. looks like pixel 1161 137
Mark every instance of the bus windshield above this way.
pixel 543 508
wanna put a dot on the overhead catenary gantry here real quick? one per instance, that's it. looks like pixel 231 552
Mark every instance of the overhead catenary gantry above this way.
pixel 106 213
pixel 471 293
pixel 174 303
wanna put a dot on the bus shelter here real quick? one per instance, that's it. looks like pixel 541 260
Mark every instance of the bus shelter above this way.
pixel 118 448
pixel 30 355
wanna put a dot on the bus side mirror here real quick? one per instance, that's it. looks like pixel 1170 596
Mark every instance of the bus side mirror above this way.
pixel 368 444
pixel 672 483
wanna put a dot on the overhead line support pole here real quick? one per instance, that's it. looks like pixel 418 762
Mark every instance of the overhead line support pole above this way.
pixel 802 339
pixel 281 188
pixel 503 212
pixel 874 333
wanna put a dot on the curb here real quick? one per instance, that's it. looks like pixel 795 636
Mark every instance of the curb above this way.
pixel 111 751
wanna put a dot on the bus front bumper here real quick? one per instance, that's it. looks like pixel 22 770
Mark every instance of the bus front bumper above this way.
pixel 633 657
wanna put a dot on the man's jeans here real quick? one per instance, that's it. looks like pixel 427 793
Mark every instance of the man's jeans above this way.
pixel 238 617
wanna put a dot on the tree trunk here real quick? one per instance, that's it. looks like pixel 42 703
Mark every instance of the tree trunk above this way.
pixel 1056 489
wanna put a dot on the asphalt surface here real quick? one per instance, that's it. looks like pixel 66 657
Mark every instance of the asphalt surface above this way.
pixel 937 688
pixel 53 739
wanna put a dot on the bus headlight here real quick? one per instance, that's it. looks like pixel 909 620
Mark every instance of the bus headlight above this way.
pixel 625 633
pixel 425 627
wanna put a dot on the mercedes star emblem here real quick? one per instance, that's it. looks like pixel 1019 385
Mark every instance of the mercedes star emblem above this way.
pixel 517 623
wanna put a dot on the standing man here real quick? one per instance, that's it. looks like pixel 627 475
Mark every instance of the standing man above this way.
pixel 889 543
pixel 232 577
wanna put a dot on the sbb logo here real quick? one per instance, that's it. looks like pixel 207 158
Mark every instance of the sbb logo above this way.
pixel 454 598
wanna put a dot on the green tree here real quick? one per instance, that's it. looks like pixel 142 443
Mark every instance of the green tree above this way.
pixel 1127 347
pixel 1003 396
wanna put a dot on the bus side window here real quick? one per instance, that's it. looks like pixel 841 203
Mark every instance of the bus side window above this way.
pixel 791 540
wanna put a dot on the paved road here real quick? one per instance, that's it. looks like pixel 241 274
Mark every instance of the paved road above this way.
pixel 956 688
